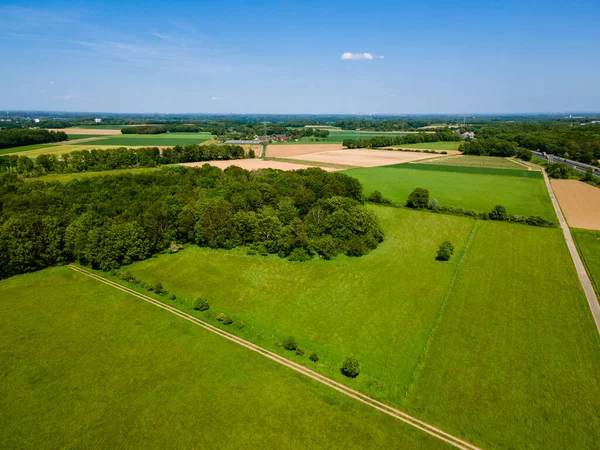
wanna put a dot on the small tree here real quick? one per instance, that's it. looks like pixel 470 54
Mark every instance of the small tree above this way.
pixel 227 320
pixel 313 357
pixel 498 213
pixel 299 351
pixel 419 198
pixel 445 251
pixel 201 304
pixel 377 197
pixel 158 288
pixel 289 343
pixel 350 367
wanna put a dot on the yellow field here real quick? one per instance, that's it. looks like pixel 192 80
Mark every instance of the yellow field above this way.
pixel 68 148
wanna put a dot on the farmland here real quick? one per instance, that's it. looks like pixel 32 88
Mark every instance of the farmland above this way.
pixel 493 162
pixel 579 202
pixel 464 346
pixel 447 145
pixel 65 177
pixel 151 140
pixel 87 366
pixel 336 136
pixel 588 245
pixel 478 191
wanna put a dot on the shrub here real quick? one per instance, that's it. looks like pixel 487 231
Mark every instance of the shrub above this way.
pixel 201 304
pixel 419 198
pixel 377 197
pixel 299 254
pixel 350 367
pixel 289 343
pixel 159 289
pixel 445 251
pixel 227 320
pixel 538 221
pixel 221 317
pixel 433 203
pixel 299 351
pixel 172 297
pixel 241 325
pixel 498 213
pixel 523 154
pixel 313 357
pixel 277 343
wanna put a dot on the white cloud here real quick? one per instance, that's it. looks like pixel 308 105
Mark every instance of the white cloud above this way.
pixel 348 56
pixel 51 82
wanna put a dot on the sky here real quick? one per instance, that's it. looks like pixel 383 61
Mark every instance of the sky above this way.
pixel 286 57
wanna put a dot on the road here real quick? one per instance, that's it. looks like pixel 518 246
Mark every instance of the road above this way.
pixel 579 267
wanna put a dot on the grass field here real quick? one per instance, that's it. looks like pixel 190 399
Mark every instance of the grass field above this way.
pixel 446 145
pixel 478 191
pixel 64 177
pixel 588 244
pixel 150 140
pixel 59 149
pixel 23 148
pixel 74 137
pixel 492 162
pixel 87 366
pixel 337 137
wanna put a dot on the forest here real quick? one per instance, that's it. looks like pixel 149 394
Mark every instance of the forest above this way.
pixel 387 141
pixel 160 129
pixel 106 222
pixel 118 158
pixel 18 137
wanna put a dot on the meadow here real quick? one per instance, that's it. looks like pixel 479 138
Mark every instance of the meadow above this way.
pixel 153 140
pixel 65 177
pixel 492 162
pixel 478 188
pixel 588 245
pixel 337 137
pixel 88 366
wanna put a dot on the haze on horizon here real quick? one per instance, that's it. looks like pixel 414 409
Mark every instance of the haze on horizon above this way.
pixel 301 57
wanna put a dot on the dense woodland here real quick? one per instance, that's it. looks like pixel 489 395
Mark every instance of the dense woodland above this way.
pixel 105 222
pixel 118 158
pixel 24 136
pixel 387 141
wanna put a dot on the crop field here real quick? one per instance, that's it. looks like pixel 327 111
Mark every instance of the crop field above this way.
pixel 74 137
pixel 336 136
pixel 487 346
pixel 446 145
pixel 364 158
pixel 492 162
pixel 579 202
pixel 84 365
pixel 22 149
pixel 588 245
pixel 478 191
pixel 151 140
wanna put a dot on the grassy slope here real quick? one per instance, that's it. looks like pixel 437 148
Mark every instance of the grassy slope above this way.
pixel 377 308
pixel 86 366
pixel 515 361
pixel 477 161
pixel 588 244
pixel 446 145
pixel 471 191
pixel 154 139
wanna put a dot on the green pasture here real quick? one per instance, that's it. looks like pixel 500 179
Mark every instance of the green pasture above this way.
pixel 472 190
pixel 74 137
pixel 486 162
pixel 151 140
pixel 588 244
pixel 84 365
pixel 337 137
pixel 23 148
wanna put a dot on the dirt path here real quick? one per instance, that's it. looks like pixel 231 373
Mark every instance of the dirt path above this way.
pixel 579 267
pixel 393 412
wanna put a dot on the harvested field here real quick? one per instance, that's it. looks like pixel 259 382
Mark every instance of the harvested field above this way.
pixel 253 164
pixel 365 158
pixel 95 131
pixel 579 202
pixel 283 151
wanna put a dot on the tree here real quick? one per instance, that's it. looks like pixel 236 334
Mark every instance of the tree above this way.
pixel 445 251
pixel 498 213
pixel 350 367
pixel 289 343
pixel 419 198
pixel 201 304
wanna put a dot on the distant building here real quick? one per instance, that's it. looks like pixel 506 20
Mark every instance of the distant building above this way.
pixel 468 135
pixel 281 138
pixel 98 120
pixel 36 120
pixel 243 142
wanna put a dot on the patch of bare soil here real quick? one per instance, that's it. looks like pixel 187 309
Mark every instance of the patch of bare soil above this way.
pixel 365 158
pixel 579 202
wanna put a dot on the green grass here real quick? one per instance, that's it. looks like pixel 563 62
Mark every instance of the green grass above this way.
pixel 487 162
pixel 86 366
pixel 481 192
pixel 65 177
pixel 588 244
pixel 515 360
pixel 23 148
pixel 446 145
pixel 165 139
pixel 429 164
pixel 74 137
pixel 337 137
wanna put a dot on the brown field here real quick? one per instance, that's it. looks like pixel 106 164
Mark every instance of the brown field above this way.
pixel 86 131
pixel 364 158
pixel 579 202
pixel 254 164
pixel 283 151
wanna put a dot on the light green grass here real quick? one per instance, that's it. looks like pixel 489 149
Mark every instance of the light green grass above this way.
pixel 337 137
pixel 446 145
pixel 588 244
pixel 74 137
pixel 84 365
pixel 65 177
pixel 523 196
pixel 515 361
pixel 60 149
pixel 376 308
pixel 151 140
pixel 493 162
pixel 23 148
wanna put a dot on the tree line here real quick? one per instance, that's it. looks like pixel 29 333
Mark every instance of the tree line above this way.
pixel 387 141
pixel 109 221
pixel 494 147
pixel 118 158
pixel 18 137
pixel 160 129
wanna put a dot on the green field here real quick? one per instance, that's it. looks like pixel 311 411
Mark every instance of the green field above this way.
pixel 447 145
pixel 492 162
pixel 86 366
pixel 478 191
pixel 337 137
pixel 74 137
pixel 151 140
pixel 588 244
pixel 64 177
pixel 23 148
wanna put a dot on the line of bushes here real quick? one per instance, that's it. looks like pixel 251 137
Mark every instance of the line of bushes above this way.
pixel 494 147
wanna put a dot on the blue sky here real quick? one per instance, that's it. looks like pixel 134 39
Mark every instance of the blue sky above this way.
pixel 286 56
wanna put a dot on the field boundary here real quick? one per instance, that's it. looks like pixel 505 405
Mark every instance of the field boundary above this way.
pixel 393 412
pixel 584 279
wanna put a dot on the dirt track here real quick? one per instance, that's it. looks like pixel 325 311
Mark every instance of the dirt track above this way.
pixel 393 412
pixel 580 203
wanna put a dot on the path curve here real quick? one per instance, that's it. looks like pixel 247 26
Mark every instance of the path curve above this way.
pixel 590 294
pixel 393 412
